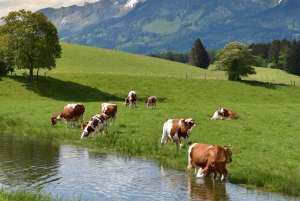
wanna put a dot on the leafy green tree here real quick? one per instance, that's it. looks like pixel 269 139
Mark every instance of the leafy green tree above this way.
pixel 274 52
pixel 199 56
pixel 260 61
pixel 31 41
pixel 236 59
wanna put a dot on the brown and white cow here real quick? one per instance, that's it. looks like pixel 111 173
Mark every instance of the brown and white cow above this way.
pixel 224 113
pixel 111 111
pixel 152 101
pixel 175 129
pixel 71 113
pixel 130 100
pixel 206 158
pixel 96 124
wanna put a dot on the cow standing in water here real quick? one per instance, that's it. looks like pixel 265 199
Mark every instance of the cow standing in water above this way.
pixel 151 102
pixel 96 124
pixel 206 158
pixel 70 113
pixel 175 129
pixel 130 100
pixel 111 111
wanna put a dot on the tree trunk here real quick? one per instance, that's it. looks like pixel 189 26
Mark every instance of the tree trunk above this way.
pixel 30 77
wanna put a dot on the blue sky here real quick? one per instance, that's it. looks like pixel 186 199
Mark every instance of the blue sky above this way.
pixel 33 5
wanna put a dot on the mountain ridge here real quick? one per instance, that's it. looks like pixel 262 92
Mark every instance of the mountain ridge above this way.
pixel 153 26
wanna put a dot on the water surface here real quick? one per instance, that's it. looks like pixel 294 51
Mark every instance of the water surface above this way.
pixel 78 173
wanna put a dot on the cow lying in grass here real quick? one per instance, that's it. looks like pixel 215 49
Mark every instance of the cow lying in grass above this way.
pixel 224 113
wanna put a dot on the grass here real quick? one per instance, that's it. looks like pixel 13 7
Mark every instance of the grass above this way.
pixel 264 141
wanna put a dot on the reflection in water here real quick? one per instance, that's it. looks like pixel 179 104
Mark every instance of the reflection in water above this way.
pixel 197 188
pixel 207 189
pixel 78 173
pixel 24 163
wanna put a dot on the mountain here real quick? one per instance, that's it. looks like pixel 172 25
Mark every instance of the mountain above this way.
pixel 156 26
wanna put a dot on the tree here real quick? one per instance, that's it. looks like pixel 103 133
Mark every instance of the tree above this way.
pixel 31 41
pixel 236 59
pixel 199 56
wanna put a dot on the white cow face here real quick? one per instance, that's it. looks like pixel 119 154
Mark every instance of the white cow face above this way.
pixel 216 116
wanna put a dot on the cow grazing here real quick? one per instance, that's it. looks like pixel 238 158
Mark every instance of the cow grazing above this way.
pixel 130 100
pixel 71 113
pixel 96 124
pixel 206 158
pixel 224 113
pixel 175 129
pixel 111 111
pixel 151 102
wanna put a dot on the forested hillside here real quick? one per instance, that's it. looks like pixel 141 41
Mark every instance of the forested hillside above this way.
pixel 159 26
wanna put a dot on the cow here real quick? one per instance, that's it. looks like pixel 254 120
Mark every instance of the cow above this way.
pixel 96 124
pixel 111 111
pixel 224 113
pixel 130 100
pixel 152 101
pixel 175 129
pixel 206 158
pixel 70 113
pixel 216 116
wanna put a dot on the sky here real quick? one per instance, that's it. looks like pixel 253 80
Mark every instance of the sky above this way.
pixel 33 5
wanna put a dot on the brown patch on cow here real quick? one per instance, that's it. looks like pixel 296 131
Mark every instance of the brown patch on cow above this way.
pixel 69 113
pixel 211 158
pixel 84 125
pixel 110 110
pixel 228 113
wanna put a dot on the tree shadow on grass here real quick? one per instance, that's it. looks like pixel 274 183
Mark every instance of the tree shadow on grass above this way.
pixel 267 85
pixel 65 90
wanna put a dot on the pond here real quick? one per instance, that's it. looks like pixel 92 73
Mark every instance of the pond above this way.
pixel 76 173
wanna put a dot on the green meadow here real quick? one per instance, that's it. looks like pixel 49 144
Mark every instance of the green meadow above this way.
pixel 264 140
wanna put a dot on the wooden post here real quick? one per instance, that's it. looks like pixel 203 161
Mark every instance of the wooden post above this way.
pixel 205 76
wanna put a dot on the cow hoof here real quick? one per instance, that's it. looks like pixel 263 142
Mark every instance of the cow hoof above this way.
pixel 200 175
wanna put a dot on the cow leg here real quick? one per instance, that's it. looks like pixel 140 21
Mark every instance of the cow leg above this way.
pixel 178 144
pixel 67 125
pixel 162 144
pixel 224 174
pixel 199 173
pixel 164 139
pixel 72 124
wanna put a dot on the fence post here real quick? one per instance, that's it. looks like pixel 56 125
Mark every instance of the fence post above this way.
pixel 205 76
pixel 217 76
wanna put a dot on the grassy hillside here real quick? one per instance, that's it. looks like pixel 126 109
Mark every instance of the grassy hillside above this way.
pixel 264 140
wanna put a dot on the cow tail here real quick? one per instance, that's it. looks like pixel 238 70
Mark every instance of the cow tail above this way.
pixel 190 161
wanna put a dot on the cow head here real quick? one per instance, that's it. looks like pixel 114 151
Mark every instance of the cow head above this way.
pixel 54 120
pixel 228 154
pixel 190 123
pixel 216 115
pixel 221 111
pixel 126 101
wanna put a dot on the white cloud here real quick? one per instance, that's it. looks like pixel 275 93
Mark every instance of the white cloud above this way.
pixel 33 5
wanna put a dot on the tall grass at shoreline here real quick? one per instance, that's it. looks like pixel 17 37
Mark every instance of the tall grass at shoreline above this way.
pixel 264 140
